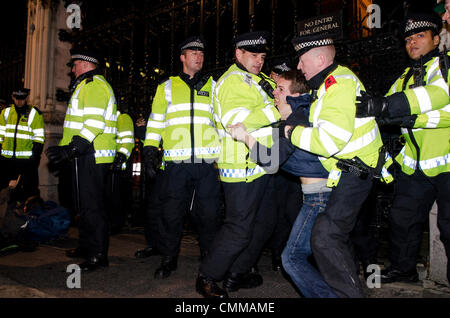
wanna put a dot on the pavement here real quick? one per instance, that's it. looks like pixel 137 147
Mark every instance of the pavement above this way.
pixel 44 273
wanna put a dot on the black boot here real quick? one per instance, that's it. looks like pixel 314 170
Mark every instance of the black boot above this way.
pixel 146 252
pixel 168 264
pixel 208 288
pixel 236 281
pixel 392 275
pixel 95 262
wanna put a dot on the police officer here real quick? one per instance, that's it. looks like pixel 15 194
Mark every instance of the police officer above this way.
pixel 21 143
pixel 418 101
pixel 243 94
pixel 89 140
pixel 182 120
pixel 341 141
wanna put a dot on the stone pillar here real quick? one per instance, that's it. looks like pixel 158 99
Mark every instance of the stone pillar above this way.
pixel 438 258
pixel 45 72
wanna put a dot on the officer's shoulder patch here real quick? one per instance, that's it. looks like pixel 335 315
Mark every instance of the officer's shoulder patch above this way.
pixel 38 110
pixel 330 80
pixel 248 79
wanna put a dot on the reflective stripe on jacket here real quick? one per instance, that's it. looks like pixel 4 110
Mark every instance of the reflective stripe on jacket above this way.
pixel 181 117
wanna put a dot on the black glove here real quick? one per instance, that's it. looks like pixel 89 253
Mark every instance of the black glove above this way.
pixel 152 160
pixel 405 121
pixel 371 106
pixel 119 159
pixel 58 154
pixel 77 147
pixel 37 151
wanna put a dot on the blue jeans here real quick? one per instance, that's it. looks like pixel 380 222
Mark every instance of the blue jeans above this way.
pixel 298 248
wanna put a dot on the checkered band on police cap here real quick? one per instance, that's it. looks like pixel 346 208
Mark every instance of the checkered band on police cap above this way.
pixel 419 22
pixel 21 92
pixel 253 42
pixel 311 44
pixel 194 44
pixel 411 25
pixel 84 58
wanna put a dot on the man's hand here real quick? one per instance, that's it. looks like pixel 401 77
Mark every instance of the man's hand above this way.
pixel 36 153
pixel 285 110
pixel 13 183
pixel 77 147
pixel 119 160
pixel 152 160
pixel 239 132
pixel 288 131
pixel 141 122
pixel 58 154
pixel 371 106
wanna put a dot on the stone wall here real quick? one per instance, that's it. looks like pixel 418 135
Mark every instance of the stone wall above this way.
pixel 45 72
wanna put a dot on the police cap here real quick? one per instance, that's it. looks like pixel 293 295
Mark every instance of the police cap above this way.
pixel 21 93
pixel 84 55
pixel 255 41
pixel 279 66
pixel 303 44
pixel 192 43
pixel 419 22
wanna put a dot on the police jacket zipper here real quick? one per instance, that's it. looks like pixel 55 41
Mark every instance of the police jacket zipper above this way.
pixel 15 134
pixel 417 71
pixel 192 124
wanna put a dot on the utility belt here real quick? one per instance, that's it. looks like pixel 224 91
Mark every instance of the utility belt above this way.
pixel 358 168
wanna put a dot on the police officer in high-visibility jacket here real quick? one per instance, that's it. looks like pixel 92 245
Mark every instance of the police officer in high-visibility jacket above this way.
pixel 418 101
pixel 120 187
pixel 349 148
pixel 21 143
pixel 242 94
pixel 89 140
pixel 182 120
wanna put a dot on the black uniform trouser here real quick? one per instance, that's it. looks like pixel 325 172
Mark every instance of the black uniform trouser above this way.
pixel 364 243
pixel 410 210
pixel 250 217
pixel 179 182
pixel 93 227
pixel 154 210
pixel 11 168
pixel 288 197
pixel 330 236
